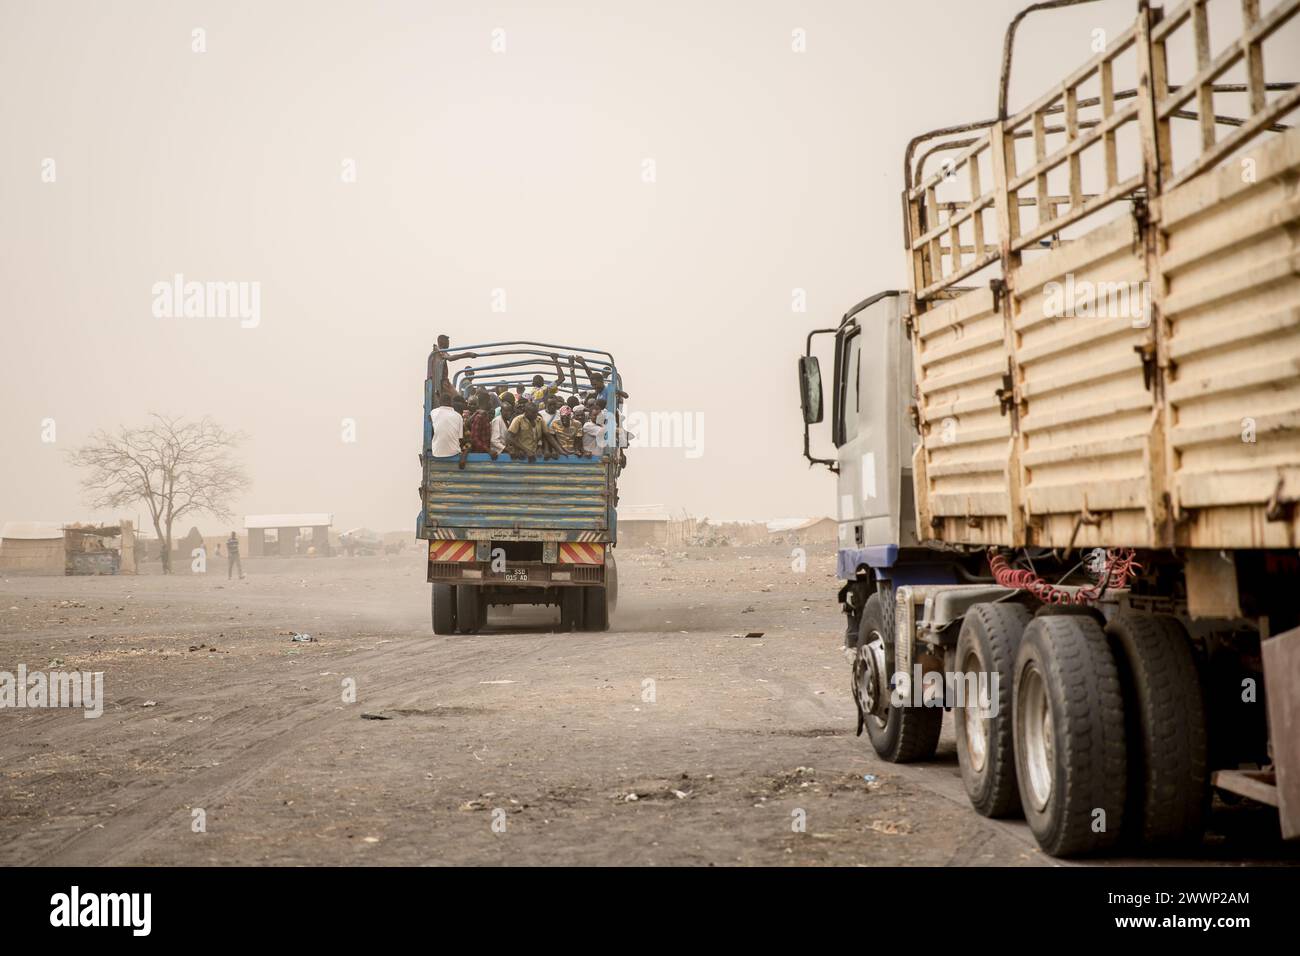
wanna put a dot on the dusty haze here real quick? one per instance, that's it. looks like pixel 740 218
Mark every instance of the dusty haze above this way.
pixel 521 170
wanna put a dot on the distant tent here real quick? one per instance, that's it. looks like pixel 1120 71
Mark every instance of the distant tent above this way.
pixel 185 547
pixel 32 546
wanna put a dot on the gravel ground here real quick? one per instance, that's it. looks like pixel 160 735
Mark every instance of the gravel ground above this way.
pixel 671 739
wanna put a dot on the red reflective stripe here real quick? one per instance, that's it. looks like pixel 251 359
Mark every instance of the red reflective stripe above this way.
pixel 451 550
pixel 576 552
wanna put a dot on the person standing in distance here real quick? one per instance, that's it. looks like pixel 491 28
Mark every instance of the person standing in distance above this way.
pixel 232 557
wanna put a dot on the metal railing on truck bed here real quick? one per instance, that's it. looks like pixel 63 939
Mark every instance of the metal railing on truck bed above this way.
pixel 567 499
pixel 1128 372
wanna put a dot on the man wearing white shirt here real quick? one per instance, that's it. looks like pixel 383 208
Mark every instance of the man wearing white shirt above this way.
pixel 499 430
pixel 448 429
pixel 591 433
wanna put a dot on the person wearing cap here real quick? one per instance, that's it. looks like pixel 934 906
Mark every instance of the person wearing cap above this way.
pixel 566 431
pixel 507 407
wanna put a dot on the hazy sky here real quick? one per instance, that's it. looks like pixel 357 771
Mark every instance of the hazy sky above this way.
pixel 521 170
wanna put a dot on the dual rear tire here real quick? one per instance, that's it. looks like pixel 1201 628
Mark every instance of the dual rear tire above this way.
pixel 471 609
pixel 444 609
pixel 1166 729
pixel 584 609
pixel 458 608
pixel 986 648
pixel 590 608
pixel 1096 734
pixel 1070 753
pixel 1110 734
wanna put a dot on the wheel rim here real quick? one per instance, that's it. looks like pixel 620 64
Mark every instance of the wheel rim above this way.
pixel 974 720
pixel 870 689
pixel 1034 732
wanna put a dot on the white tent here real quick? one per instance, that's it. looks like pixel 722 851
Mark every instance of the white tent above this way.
pixel 32 546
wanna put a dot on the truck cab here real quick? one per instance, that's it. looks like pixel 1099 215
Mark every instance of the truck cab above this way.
pixel 870 389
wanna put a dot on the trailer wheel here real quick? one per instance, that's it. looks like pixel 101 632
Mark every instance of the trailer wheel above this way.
pixel 595 609
pixel 1069 735
pixel 571 609
pixel 1166 728
pixel 470 608
pixel 898 734
pixel 986 647
pixel 444 609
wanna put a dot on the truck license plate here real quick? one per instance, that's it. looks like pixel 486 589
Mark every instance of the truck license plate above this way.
pixel 517 574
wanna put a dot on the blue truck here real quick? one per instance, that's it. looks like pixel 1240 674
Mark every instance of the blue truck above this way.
pixel 509 531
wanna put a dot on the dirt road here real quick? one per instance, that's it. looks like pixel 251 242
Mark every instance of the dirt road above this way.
pixel 670 740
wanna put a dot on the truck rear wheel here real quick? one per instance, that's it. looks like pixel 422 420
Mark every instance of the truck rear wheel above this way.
pixel 571 609
pixel 595 609
pixel 470 609
pixel 898 734
pixel 990 636
pixel 444 609
pixel 611 582
pixel 1166 728
pixel 1069 735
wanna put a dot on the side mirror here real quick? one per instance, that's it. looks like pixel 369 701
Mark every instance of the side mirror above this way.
pixel 810 389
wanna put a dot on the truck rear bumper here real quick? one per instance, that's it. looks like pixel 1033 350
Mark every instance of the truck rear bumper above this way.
pixel 517 574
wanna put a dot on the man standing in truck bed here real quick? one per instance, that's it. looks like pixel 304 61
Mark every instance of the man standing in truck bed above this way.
pixel 599 387
pixel 437 370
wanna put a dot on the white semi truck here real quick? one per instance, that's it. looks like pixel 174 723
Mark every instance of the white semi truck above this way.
pixel 1068 454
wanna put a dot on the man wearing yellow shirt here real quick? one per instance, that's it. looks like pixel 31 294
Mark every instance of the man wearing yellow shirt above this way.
pixel 524 437
pixel 540 391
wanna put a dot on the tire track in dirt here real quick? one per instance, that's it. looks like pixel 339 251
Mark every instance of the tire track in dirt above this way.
pixel 249 742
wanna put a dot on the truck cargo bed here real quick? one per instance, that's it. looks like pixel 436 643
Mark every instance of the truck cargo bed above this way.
pixel 568 499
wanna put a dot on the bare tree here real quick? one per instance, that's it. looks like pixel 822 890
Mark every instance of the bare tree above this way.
pixel 176 467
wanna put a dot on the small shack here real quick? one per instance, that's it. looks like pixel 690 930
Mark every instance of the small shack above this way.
pixel 804 530
pixel 642 526
pixel 93 548
pixel 281 535
pixel 653 526
pixel 31 546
